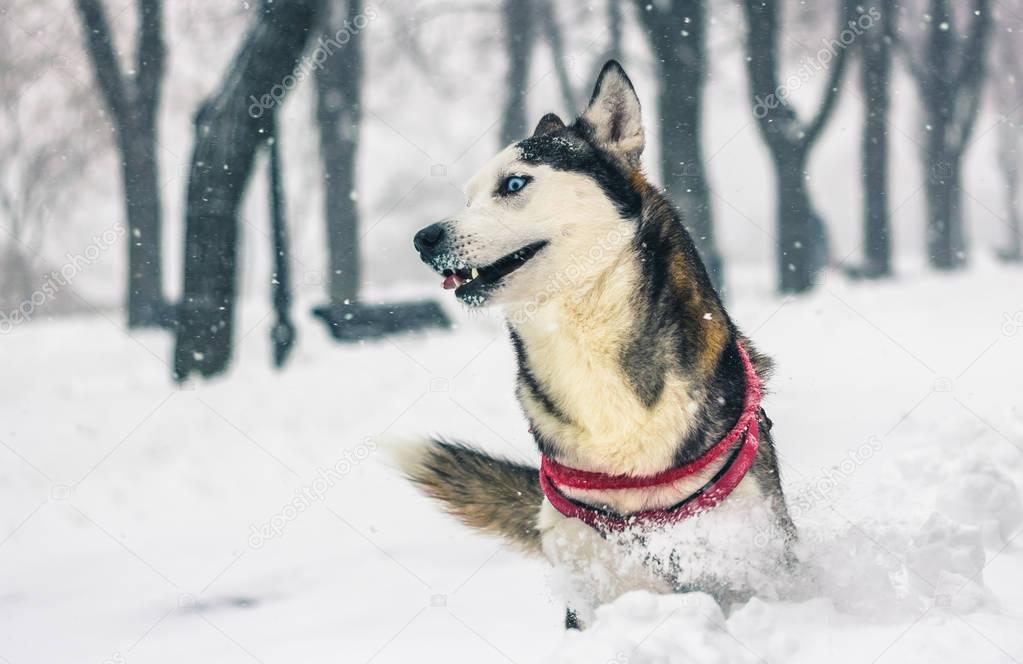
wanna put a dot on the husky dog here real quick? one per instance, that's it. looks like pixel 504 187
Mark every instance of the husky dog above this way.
pixel 641 394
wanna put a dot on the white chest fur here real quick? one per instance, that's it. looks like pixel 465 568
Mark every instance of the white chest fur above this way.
pixel 575 354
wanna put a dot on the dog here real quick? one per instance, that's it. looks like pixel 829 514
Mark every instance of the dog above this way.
pixel 658 468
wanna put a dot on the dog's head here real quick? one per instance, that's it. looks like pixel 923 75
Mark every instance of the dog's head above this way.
pixel 550 209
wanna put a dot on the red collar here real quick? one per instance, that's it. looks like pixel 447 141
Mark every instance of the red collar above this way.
pixel 553 475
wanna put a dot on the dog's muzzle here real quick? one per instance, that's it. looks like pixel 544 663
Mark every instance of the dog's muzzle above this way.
pixel 429 240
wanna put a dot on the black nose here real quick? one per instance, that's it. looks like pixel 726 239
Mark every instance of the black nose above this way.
pixel 427 239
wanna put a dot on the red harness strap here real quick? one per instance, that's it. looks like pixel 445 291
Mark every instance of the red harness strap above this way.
pixel 554 475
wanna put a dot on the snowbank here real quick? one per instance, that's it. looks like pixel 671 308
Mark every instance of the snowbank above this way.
pixel 252 518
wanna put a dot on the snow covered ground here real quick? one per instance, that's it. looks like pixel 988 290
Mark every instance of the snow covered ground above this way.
pixel 253 518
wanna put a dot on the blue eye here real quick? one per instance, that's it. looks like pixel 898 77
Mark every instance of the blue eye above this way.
pixel 514 183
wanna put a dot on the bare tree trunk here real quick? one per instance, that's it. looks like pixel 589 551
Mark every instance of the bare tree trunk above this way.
pixel 796 234
pixel 339 116
pixel 949 78
pixel 15 279
pixel 519 31
pixel 790 141
pixel 146 304
pixel 546 14
pixel 677 34
pixel 282 335
pixel 548 17
pixel 1009 96
pixel 1008 159
pixel 946 245
pixel 614 27
pixel 230 127
pixel 133 102
pixel 875 75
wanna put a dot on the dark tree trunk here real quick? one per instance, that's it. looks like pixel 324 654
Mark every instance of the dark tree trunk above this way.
pixel 946 245
pixel 944 231
pixel 519 31
pixel 16 284
pixel 796 236
pixel 1009 166
pixel 950 79
pixel 548 17
pixel 339 116
pixel 282 335
pixel 133 102
pixel 801 234
pixel 614 28
pixel 1009 95
pixel 875 75
pixel 146 305
pixel 230 127
pixel 682 71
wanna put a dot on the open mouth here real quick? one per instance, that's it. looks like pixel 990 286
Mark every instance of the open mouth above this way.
pixel 475 283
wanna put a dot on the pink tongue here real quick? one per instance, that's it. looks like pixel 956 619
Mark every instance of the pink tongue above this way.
pixel 452 281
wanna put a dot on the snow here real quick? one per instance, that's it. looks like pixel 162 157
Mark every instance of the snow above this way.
pixel 253 517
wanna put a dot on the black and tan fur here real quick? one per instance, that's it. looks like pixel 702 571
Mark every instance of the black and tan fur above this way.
pixel 630 369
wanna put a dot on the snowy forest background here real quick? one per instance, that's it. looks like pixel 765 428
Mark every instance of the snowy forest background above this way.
pixel 872 248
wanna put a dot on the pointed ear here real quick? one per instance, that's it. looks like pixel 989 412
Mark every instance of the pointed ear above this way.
pixel 548 124
pixel 614 114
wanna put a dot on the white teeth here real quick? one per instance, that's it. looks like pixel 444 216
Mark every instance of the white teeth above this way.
pixel 474 273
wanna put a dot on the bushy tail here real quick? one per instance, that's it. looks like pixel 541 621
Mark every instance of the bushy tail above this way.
pixel 497 496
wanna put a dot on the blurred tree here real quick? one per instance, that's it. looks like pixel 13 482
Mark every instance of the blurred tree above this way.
pixel 547 15
pixel 48 134
pixel 677 33
pixel 949 74
pixel 339 117
pixel 614 28
pixel 519 34
pixel 133 101
pixel 282 334
pixel 230 126
pixel 789 140
pixel 875 84
pixel 552 29
pixel 339 79
pixel 1009 98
